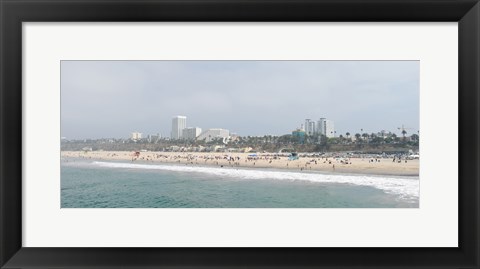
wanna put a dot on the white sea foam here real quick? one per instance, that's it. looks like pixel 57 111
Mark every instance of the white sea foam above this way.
pixel 404 187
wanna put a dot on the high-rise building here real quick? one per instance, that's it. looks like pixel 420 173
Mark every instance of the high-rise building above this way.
pixel 191 133
pixel 326 127
pixel 178 124
pixel 310 127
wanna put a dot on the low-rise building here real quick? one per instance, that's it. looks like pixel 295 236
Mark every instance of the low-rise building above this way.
pixel 191 133
pixel 299 134
pixel 136 136
pixel 214 133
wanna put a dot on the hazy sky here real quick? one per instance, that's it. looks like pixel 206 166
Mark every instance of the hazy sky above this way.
pixel 111 99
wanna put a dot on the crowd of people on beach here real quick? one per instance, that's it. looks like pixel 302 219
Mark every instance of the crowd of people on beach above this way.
pixel 307 161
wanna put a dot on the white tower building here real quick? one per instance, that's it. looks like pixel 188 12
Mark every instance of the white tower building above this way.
pixel 178 124
pixel 326 127
pixel 310 127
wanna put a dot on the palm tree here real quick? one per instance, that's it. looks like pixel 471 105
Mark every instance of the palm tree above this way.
pixel 395 138
pixel 365 136
pixel 348 135
pixel 357 136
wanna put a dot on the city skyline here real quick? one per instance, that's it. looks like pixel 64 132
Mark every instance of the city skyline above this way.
pixel 193 133
pixel 102 99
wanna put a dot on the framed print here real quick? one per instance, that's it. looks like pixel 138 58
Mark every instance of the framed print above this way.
pixel 239 134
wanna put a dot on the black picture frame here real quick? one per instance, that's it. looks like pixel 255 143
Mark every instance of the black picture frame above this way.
pixel 14 12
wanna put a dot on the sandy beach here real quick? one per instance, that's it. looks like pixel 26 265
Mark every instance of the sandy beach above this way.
pixel 355 165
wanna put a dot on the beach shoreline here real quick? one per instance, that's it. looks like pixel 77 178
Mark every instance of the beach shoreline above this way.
pixel 332 165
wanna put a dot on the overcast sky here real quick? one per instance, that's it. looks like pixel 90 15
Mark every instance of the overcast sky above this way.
pixel 111 99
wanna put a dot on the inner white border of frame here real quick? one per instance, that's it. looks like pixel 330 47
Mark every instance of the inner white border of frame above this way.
pixel 434 224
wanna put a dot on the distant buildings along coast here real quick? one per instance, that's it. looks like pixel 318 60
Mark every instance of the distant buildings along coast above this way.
pixel 180 131
pixel 323 126
pixel 312 131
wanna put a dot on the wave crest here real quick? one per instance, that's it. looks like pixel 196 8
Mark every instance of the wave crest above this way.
pixel 407 188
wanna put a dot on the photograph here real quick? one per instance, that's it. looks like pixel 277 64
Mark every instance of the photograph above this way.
pixel 240 134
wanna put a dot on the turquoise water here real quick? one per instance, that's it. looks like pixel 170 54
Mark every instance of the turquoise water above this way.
pixel 101 184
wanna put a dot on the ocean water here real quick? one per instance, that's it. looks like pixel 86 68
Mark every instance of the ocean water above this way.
pixel 108 184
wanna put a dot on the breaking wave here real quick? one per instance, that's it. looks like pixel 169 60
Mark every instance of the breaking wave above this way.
pixel 407 188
